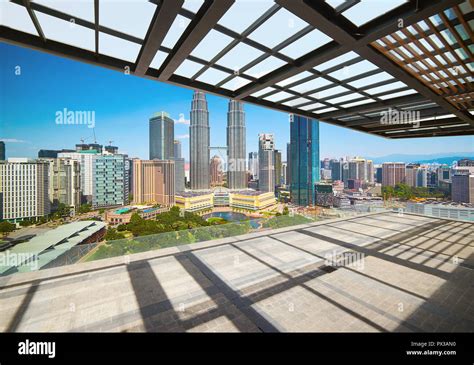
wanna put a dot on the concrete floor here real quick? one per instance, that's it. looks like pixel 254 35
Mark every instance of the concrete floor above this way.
pixel 374 273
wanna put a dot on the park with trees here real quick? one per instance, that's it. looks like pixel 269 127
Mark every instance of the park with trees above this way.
pixel 406 192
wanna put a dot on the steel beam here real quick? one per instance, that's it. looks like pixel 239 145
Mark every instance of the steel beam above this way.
pixel 164 16
pixel 426 123
pixel 34 19
pixel 343 41
pixel 206 18
pixel 373 107
pixel 439 132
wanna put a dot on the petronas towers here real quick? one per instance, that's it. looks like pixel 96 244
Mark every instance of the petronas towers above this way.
pixel 236 163
pixel 199 134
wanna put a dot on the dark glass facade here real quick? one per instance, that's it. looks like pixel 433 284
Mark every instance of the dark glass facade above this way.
pixel 304 159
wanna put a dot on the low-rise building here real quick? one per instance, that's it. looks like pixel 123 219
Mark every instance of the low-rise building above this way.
pixel 252 200
pixel 194 201
pixel 437 209
pixel 324 195
pixel 124 215
pixel 221 197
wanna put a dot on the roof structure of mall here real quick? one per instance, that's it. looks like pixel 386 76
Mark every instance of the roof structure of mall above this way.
pixel 349 63
pixel 41 250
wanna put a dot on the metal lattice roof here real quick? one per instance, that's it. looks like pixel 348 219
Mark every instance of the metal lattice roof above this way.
pixel 339 61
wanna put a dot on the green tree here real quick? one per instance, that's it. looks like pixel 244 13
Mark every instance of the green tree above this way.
pixel 112 235
pixel 85 208
pixel 6 228
pixel 62 211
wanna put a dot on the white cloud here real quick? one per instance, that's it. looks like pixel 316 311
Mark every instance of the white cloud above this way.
pixel 182 136
pixel 181 120
pixel 12 140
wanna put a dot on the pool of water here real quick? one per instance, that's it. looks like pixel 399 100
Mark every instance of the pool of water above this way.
pixel 233 217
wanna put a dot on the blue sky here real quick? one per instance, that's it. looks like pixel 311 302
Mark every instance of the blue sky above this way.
pixel 123 104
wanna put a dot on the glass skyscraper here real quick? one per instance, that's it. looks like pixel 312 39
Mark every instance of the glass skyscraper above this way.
pixel 199 137
pixel 2 151
pixel 109 174
pixel 236 172
pixel 266 162
pixel 304 159
pixel 161 136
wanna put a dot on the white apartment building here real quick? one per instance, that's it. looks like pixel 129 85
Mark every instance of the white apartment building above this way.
pixel 64 182
pixel 87 162
pixel 23 189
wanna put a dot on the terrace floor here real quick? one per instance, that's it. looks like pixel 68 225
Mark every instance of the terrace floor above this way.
pixel 413 274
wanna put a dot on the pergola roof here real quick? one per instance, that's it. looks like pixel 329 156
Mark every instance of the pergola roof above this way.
pixel 341 62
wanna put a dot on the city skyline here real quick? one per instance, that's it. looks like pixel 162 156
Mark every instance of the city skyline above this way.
pixel 118 109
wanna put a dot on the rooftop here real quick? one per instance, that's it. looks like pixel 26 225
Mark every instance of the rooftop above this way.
pixel 410 273
pixel 45 247
pixel 347 64
pixel 189 194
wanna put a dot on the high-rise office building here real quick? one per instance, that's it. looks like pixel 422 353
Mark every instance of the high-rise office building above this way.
pixel 277 168
pixel 177 149
pixel 52 153
pixel 411 174
pixel 444 174
pixel 325 164
pixel 284 173
pixel 378 174
pixel 288 164
pixel 304 139
pixel 422 177
pixel 179 179
pixel 345 172
pixel 153 182
pixel 253 165
pixel 236 146
pixel 2 151
pixel 24 187
pixel 86 159
pixel 358 169
pixel 336 169
pixel 161 134
pixel 370 173
pixel 393 173
pixel 64 182
pixel 91 147
pixel 109 181
pixel 462 189
pixel 432 179
pixel 111 149
pixel 217 175
pixel 353 170
pixel 266 162
pixel 199 134
pixel 49 153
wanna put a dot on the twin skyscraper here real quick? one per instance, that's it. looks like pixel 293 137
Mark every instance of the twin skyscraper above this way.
pixel 162 140
pixel 199 144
